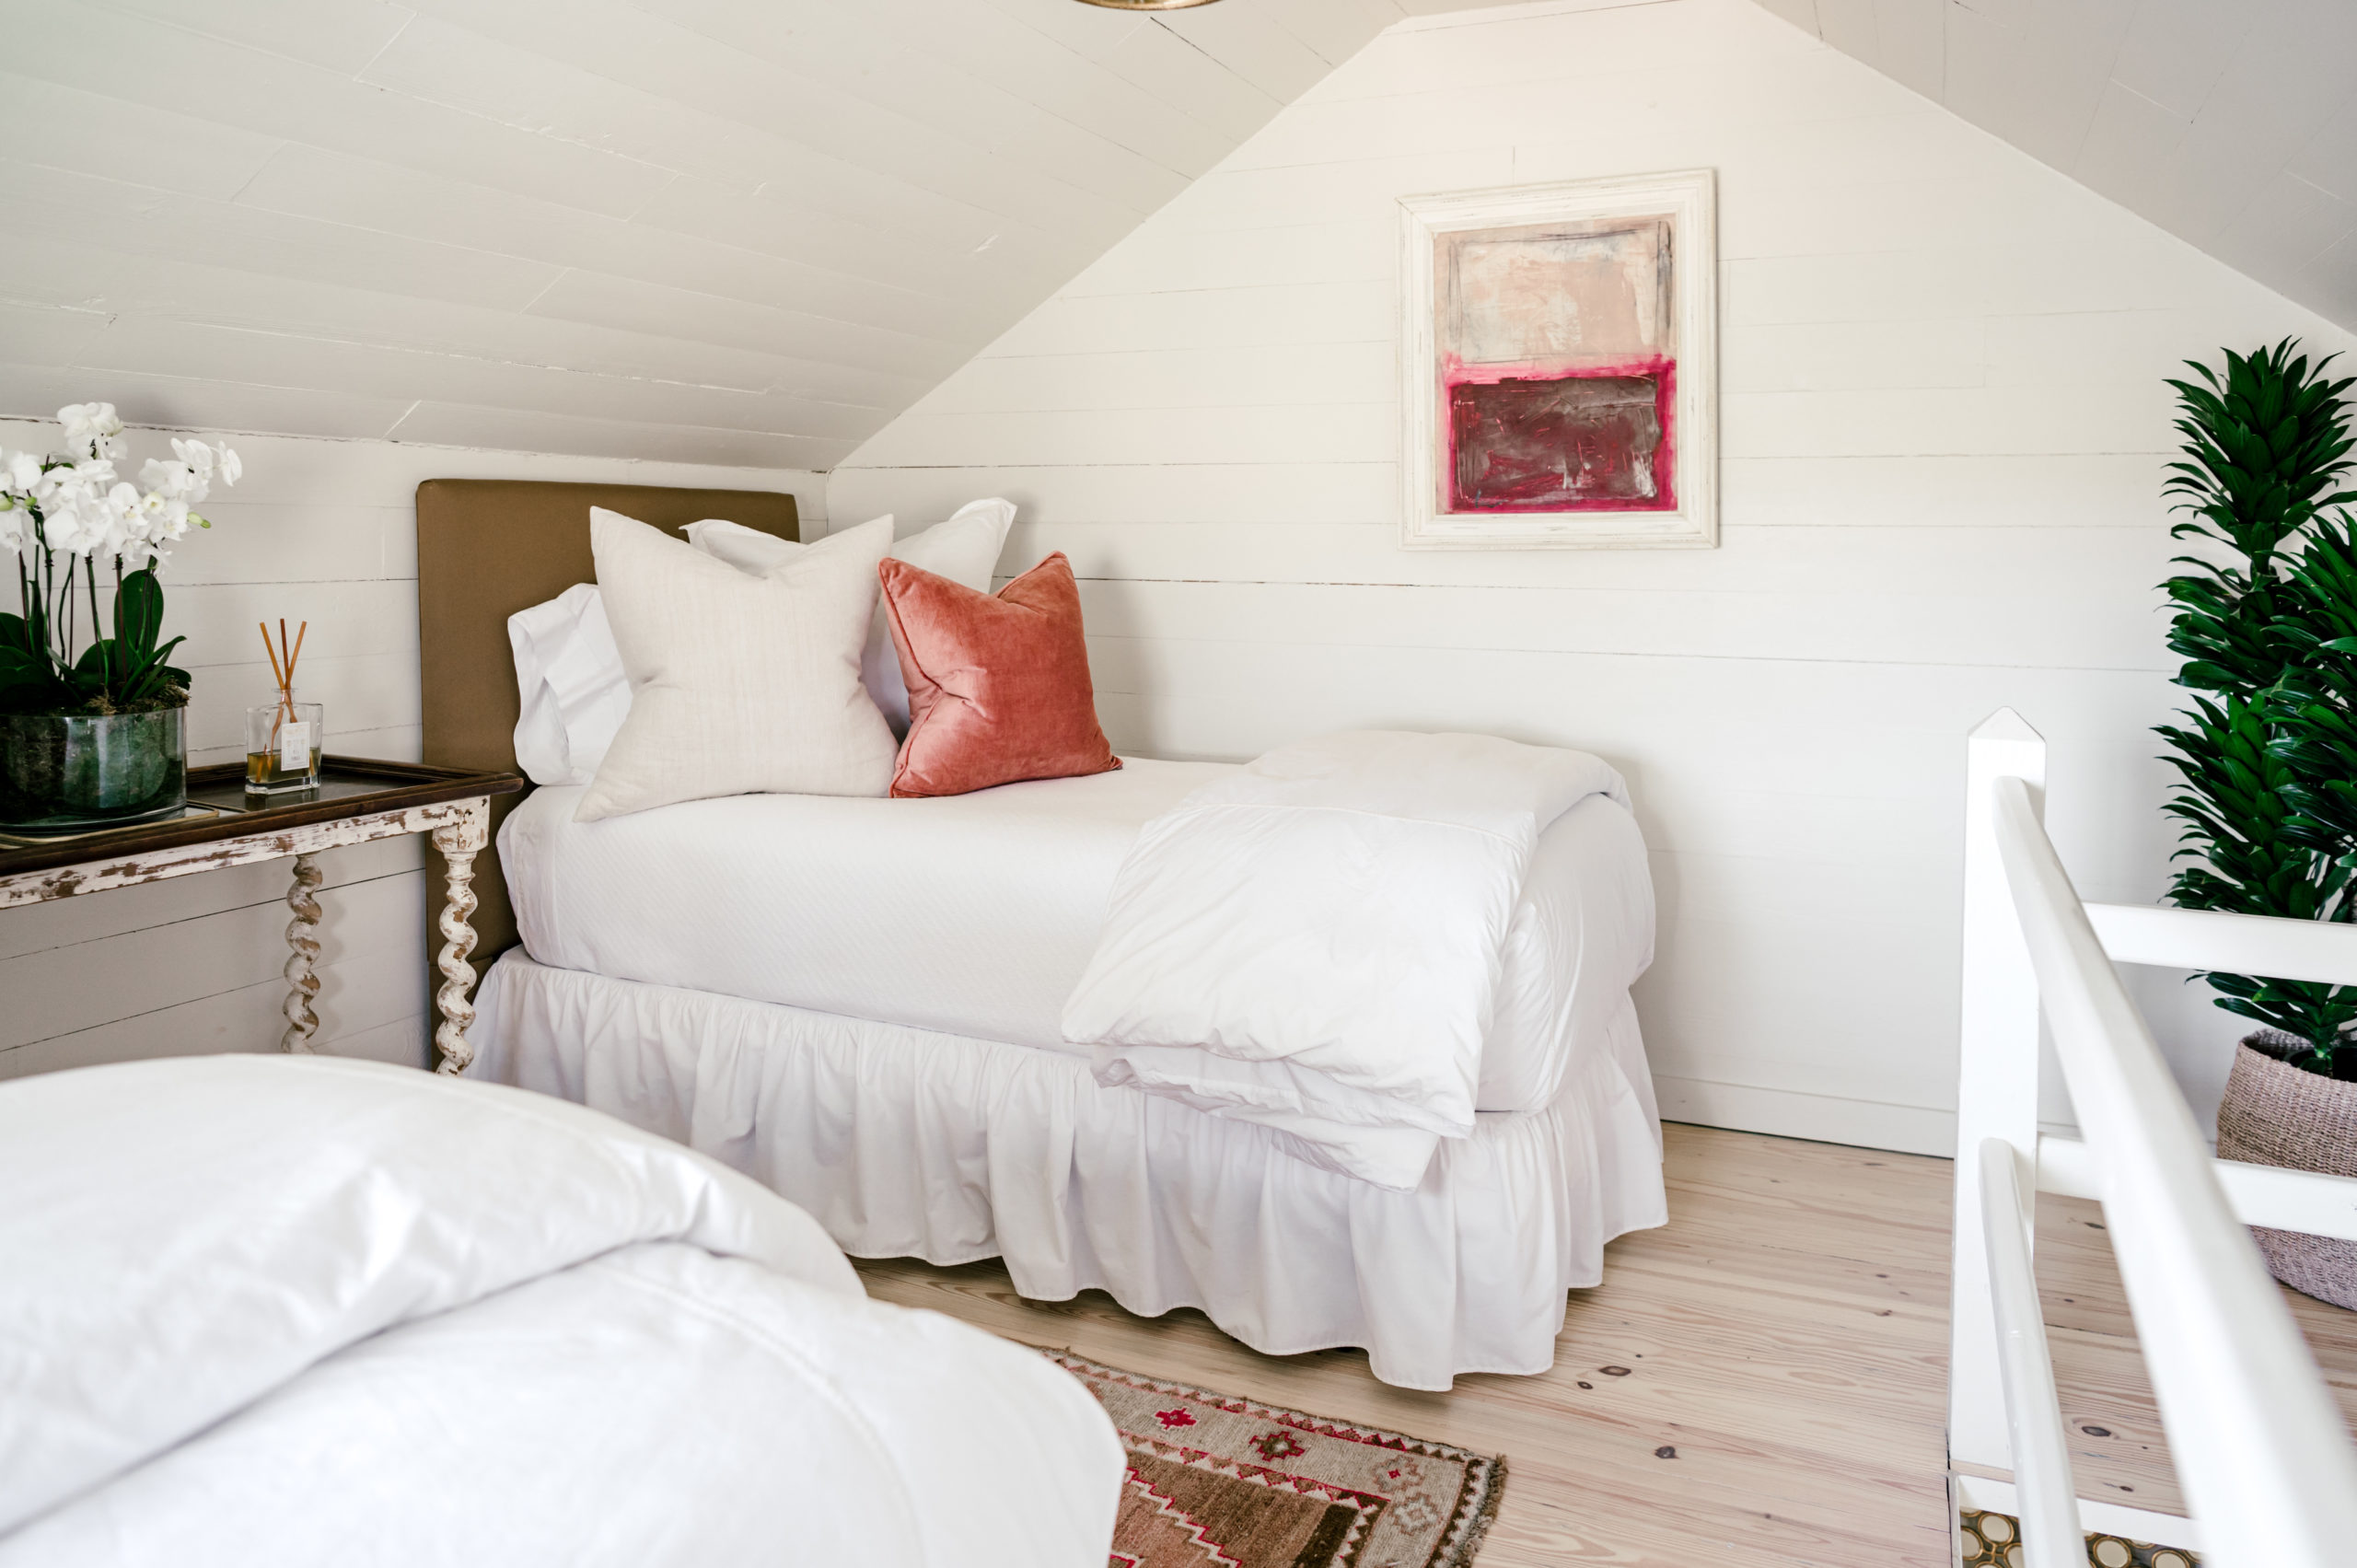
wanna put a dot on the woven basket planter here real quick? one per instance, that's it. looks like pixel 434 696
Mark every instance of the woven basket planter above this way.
pixel 2275 1114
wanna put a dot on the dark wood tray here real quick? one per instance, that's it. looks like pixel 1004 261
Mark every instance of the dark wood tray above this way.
pixel 348 787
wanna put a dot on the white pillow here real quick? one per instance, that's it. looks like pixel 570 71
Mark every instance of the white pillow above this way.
pixel 964 550
pixel 740 684
pixel 570 676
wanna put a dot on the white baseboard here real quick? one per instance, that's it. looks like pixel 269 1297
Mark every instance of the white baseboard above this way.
pixel 1791 1114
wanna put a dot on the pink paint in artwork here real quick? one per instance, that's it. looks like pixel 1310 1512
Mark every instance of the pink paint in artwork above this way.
pixel 1557 357
pixel 1539 438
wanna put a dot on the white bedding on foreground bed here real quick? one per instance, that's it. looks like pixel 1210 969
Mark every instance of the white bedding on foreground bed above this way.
pixel 267 1311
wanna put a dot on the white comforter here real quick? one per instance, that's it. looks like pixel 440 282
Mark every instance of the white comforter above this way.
pixel 1315 941
pixel 263 1310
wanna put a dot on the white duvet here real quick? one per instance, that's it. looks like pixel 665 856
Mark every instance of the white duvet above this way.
pixel 268 1310
pixel 1314 942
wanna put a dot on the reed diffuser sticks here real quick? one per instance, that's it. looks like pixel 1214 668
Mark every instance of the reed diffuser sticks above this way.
pixel 284 740
pixel 282 665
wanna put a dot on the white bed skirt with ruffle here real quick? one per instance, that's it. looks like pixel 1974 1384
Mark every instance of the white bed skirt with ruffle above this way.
pixel 911 1142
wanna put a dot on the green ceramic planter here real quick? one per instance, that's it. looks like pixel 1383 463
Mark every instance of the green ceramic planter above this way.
pixel 64 770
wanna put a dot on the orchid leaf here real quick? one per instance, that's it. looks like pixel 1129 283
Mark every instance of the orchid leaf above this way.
pixel 139 614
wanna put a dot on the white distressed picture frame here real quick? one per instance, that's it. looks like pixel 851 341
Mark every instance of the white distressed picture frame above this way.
pixel 1689 197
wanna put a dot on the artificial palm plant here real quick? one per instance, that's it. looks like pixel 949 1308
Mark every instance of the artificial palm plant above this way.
pixel 2266 625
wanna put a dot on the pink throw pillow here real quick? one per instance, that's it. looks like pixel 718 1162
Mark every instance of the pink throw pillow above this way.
pixel 998 683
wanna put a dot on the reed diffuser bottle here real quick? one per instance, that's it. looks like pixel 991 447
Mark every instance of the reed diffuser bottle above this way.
pixel 284 738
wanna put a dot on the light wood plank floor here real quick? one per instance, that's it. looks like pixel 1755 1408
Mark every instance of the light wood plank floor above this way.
pixel 1762 1382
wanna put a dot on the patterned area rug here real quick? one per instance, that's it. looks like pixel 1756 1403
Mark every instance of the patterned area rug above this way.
pixel 1216 1481
pixel 1993 1540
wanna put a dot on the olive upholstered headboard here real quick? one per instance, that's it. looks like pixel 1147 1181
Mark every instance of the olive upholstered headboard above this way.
pixel 487 548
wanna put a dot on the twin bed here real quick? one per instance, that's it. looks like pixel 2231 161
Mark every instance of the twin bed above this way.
pixel 859 1003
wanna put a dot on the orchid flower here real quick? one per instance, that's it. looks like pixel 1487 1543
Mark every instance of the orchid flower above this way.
pixel 63 518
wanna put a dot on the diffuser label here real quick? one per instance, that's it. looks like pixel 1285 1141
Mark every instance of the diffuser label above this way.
pixel 294 748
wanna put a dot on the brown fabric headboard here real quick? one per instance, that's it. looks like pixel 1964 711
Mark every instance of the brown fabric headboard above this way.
pixel 487 548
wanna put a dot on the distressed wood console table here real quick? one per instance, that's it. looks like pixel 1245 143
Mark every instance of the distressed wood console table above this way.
pixel 357 800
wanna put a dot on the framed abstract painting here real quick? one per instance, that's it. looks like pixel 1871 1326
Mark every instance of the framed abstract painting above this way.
pixel 1559 369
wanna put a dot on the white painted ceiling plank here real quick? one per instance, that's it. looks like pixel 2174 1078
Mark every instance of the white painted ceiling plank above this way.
pixel 129 58
pixel 336 35
pixel 773 227
pixel 1160 63
pixel 458 425
pixel 52 333
pixel 331 187
pixel 1802 14
pixel 2233 123
pixel 984 40
pixel 67 273
pixel 1851 26
pixel 1251 45
pixel 2036 86
pixel 64 127
pixel 2176 50
pixel 2287 218
pixel 143 221
pixel 882 71
pixel 1335 30
pixel 2330 159
pixel 656 56
pixel 2127 146
pixel 2273 96
pixel 437 61
pixel 600 299
pixel 38 390
pixel 164 346
pixel 1091 30
pixel 441 61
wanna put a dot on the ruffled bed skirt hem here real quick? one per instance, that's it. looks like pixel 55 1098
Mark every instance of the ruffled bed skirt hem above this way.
pixel 911 1142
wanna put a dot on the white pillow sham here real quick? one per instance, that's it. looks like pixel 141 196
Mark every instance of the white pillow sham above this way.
pixel 965 549
pixel 740 684
pixel 575 693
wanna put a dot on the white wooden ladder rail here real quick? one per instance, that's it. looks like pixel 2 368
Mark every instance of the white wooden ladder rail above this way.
pixel 2268 1470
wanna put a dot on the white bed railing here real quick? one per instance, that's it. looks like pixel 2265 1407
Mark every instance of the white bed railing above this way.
pixel 2265 1463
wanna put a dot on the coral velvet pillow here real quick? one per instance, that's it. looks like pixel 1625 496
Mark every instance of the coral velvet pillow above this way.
pixel 998 683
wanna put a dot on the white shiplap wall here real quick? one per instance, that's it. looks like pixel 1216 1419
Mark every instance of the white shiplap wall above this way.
pixel 320 530
pixel 1943 428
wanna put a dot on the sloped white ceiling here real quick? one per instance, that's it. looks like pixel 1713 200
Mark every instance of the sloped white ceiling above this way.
pixel 751 231
pixel 742 231
pixel 2230 123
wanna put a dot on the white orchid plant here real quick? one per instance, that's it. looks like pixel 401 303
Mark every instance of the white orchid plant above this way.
pixel 68 518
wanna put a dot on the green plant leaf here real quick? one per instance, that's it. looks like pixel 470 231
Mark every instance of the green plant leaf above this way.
pixel 2265 621
pixel 139 614
pixel 20 667
pixel 150 678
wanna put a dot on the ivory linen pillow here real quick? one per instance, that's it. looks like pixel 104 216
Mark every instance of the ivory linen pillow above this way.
pixel 964 550
pixel 998 685
pixel 740 684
